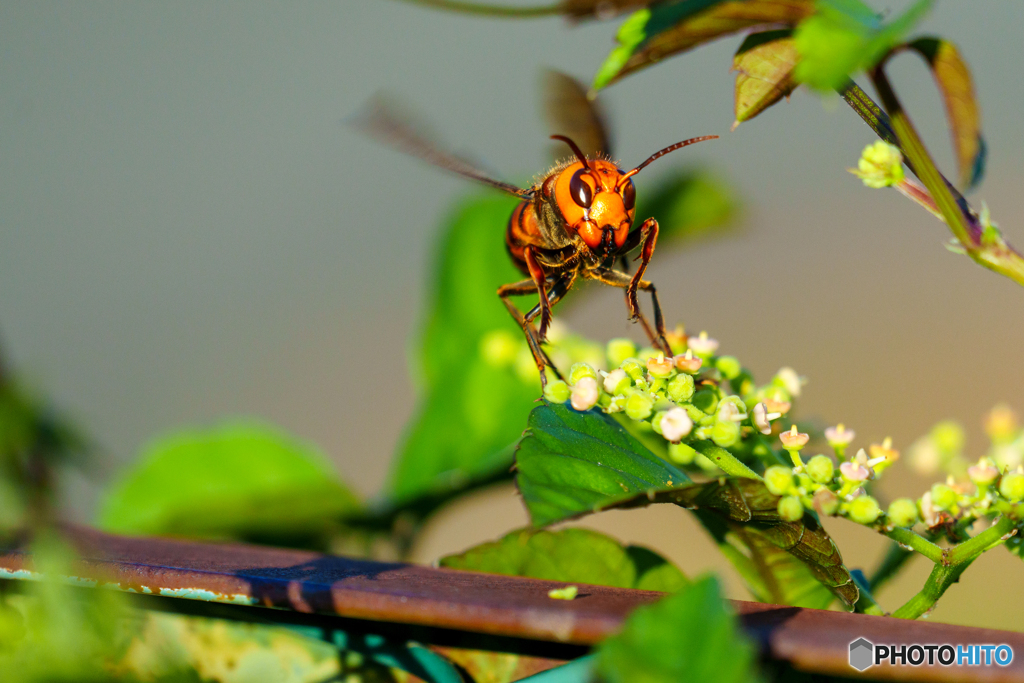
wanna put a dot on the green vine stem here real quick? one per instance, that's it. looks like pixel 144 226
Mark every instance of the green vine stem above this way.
pixel 486 10
pixel 950 565
pixel 982 243
pixel 916 542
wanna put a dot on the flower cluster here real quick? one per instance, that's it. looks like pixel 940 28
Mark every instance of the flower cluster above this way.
pixel 696 399
pixel 691 399
pixel 992 486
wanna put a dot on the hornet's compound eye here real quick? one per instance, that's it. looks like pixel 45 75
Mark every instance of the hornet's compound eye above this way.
pixel 629 195
pixel 580 190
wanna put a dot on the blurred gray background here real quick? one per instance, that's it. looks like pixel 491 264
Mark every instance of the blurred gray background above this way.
pixel 189 232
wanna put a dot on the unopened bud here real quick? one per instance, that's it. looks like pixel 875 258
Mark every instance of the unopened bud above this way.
pixel 1012 486
pixel 1001 424
pixel 790 508
pixel 681 453
pixel 864 510
pixel 903 512
pixel 619 350
pixel 820 469
pixel 585 393
pixel 556 391
pixel 943 497
pixel 778 479
pixel 633 368
pixel 725 433
pixel 639 406
pixel 580 370
pixel 680 388
pixel 729 366
pixel 706 400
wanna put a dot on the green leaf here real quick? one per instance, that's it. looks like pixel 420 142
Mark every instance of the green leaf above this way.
pixel 957 87
pixel 846 36
pixel 240 481
pixel 689 206
pixel 764 65
pixel 571 464
pixel 572 556
pixel 668 28
pixel 689 636
pixel 475 390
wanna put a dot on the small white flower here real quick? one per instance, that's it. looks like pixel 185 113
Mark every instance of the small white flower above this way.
pixel 790 380
pixel 675 424
pixel 613 379
pixel 839 435
pixel 703 345
pixel 584 393
pixel 762 419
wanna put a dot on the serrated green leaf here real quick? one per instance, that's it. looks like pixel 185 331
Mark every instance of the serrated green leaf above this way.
pixel 473 406
pixel 668 28
pixel 846 36
pixel 571 464
pixel 689 206
pixel 689 636
pixel 572 556
pixel 957 87
pixel 764 65
pixel 245 481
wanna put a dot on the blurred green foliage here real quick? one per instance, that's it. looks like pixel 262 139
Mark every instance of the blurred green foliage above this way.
pixel 573 556
pixel 689 636
pixel 246 481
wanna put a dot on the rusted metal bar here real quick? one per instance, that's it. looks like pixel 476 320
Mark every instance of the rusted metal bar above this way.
pixel 448 608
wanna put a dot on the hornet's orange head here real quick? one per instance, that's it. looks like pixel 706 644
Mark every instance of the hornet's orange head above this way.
pixel 597 199
pixel 595 205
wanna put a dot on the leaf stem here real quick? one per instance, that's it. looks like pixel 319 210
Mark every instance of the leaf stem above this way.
pixel 728 462
pixel 915 542
pixel 485 10
pixel 988 250
pixel 952 563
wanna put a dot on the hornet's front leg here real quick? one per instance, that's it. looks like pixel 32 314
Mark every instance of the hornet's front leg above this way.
pixel 540 280
pixel 649 237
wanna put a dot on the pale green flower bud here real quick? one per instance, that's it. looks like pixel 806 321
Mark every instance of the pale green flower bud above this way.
pixel 903 512
pixel 633 368
pixel 790 508
pixel 729 366
pixel 880 165
pixel 820 469
pixel 556 391
pixel 706 400
pixel 1012 486
pixel 580 370
pixel 725 433
pixel 681 453
pixel 943 497
pixel 778 479
pixel 639 406
pixel 680 388
pixel 948 437
pixel 619 350
pixel 863 510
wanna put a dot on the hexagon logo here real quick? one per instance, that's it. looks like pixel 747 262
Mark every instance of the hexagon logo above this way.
pixel 862 654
